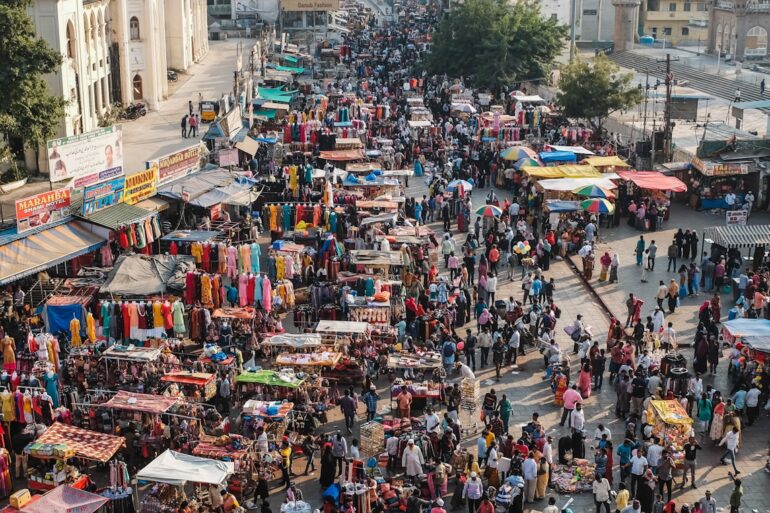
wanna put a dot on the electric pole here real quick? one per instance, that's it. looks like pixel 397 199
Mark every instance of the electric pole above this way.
pixel 667 113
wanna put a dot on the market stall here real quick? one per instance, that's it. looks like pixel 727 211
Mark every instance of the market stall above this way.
pixel 194 386
pixel 65 499
pixel 60 443
pixel 733 239
pixel 671 424
pixel 737 330
pixel 315 359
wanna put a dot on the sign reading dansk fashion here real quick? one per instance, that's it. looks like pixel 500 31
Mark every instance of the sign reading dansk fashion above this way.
pixel 310 5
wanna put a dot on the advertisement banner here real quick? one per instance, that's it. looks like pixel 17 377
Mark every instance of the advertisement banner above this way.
pixel 711 168
pixel 228 158
pixel 310 5
pixel 103 195
pixel 232 123
pixel 141 186
pixel 178 164
pixel 42 209
pixel 87 158
pixel 737 217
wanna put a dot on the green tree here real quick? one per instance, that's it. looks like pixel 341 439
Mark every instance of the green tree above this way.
pixel 595 90
pixel 28 111
pixel 495 43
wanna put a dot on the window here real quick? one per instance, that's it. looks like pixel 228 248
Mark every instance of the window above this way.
pixel 70 40
pixel 672 7
pixel 687 6
pixel 137 83
pixel 134 27
pixel 654 31
pixel 703 6
pixel 554 16
pixel 685 31
pixel 653 5
pixel 666 31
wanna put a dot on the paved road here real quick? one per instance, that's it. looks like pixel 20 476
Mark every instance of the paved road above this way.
pixel 529 393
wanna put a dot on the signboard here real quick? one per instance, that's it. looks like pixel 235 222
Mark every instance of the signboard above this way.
pixel 141 186
pixel 178 164
pixel 310 5
pixel 737 217
pixel 710 168
pixel 228 158
pixel 232 123
pixel 103 195
pixel 42 209
pixel 87 158
pixel 215 211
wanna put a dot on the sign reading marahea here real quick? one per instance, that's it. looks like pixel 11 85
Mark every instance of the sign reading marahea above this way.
pixel 310 5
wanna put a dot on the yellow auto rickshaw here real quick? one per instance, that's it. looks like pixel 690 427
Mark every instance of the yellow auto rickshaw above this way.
pixel 208 111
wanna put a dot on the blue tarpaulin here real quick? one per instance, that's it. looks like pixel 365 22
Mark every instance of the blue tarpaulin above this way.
pixel 549 157
pixel 58 318
pixel 554 206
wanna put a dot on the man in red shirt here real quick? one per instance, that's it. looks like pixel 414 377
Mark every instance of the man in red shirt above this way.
pixel 571 398
pixel 494 258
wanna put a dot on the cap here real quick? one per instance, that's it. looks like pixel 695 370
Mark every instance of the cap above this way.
pixel 439 502
pixel 473 474
pixel 411 441
pixel 372 387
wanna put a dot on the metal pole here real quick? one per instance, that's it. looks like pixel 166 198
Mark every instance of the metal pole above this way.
pixel 667 113
pixel 646 100
pixel 572 23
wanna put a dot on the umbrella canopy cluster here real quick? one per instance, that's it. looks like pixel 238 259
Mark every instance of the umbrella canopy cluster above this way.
pixel 594 191
pixel 517 153
pixel 489 211
pixel 597 206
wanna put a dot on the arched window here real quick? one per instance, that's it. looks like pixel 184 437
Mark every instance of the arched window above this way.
pixel 70 40
pixel 134 25
pixel 137 83
pixel 87 29
pixel 756 42
pixel 94 28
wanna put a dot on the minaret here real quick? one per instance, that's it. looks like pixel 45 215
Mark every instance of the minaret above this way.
pixel 626 12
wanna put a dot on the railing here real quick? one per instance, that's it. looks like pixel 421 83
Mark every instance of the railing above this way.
pixel 759 6
pixel 724 4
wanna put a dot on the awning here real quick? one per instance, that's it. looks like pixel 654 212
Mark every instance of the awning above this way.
pixel 380 218
pixel 144 403
pixel 190 236
pixel 175 468
pixel 267 377
pixel 739 236
pixel 761 344
pixel 153 204
pixel 117 215
pixel 66 499
pixel 198 379
pixel 46 249
pixel 342 327
pixel 233 194
pixel 419 123
pixel 132 353
pixel 371 257
pixel 195 185
pixel 88 445
pixel 654 180
pixel 555 206
pixel 274 106
pixel 547 157
pixel 570 184
pixel 613 161
pixel 342 155
pixel 739 328
pixel 565 171
pixel 295 341
pixel 248 145
pixel 141 275
pixel 671 412
pixel 577 150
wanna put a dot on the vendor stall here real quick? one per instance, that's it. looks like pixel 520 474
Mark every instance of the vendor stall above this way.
pixel 66 499
pixel 195 386
pixel 671 424
pixel 575 477
pixel 317 359
pixel 745 242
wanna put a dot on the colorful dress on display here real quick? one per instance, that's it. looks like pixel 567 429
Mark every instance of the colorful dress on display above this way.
pixel 51 384
pixel 177 310
pixel 9 354
pixel 75 332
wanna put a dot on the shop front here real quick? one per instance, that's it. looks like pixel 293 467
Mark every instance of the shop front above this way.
pixel 711 180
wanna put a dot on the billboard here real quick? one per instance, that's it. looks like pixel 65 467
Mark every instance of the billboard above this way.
pixel 42 209
pixel 103 195
pixel 232 123
pixel 141 185
pixel 177 164
pixel 87 158
pixel 310 5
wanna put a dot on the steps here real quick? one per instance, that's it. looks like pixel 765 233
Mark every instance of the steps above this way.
pixel 714 85
pixel 40 292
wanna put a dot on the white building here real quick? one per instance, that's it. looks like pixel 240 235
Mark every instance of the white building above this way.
pixel 595 18
pixel 117 51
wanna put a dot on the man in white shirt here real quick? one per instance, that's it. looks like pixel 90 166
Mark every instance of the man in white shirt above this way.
pixel 529 473
pixel 634 507
pixel 731 441
pixel 432 422
pixel 600 431
pixel 668 337
pixel 601 490
pixel 638 467
pixel 465 371
pixel 657 320
pixel 661 294
pixel 752 403
pixel 730 200
pixel 513 210
pixel 577 418
pixel 653 382
pixel 654 452
pixel 513 345
pixel 644 361
pixel 708 503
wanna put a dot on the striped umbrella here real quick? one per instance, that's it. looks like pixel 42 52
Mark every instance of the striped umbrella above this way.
pixel 594 191
pixel 489 211
pixel 467 186
pixel 517 152
pixel 528 161
pixel 597 206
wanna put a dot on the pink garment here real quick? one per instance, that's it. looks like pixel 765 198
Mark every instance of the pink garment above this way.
pixel 243 283
pixel 571 398
pixel 232 262
pixel 107 259
pixel 289 267
pixel 584 384
pixel 267 294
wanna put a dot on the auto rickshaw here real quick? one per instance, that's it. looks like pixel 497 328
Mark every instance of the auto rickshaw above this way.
pixel 209 111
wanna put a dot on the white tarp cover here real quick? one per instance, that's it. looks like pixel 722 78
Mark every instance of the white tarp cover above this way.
pixel 578 150
pixel 175 468
pixel 140 275
pixel 341 327
pixel 296 341
pixel 570 184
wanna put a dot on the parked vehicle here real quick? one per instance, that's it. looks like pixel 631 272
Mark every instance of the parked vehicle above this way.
pixel 172 75
pixel 134 111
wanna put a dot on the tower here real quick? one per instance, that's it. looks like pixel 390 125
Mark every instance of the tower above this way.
pixel 626 12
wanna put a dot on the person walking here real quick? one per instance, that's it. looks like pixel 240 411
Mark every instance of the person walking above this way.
pixel 639 251
pixel 736 496
pixel 672 252
pixel 601 491
pixel 652 249
pixel 737 95
pixel 529 473
pixel 762 87
pixel 348 407
pixel 708 504
pixel 190 106
pixel 184 126
pixel 730 441
pixel 370 400
pixel 472 491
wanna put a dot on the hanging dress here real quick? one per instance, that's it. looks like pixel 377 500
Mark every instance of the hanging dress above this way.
pixel 177 311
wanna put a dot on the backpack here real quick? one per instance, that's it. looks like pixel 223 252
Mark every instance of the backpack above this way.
pixel 449 349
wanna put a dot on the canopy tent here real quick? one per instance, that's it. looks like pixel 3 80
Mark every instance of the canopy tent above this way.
pixel 654 180
pixel 671 412
pixel 577 150
pixel 175 468
pixel 88 445
pixel 190 236
pixel 738 236
pixel 195 188
pixel 66 499
pixel 47 248
pixel 140 275
pixel 231 194
pixel 370 257
pixel 381 218
pixel 132 354
pixel 613 161
pixel 548 157
pixel 295 341
pixel 556 206
pixel 353 327
pixel 117 215
pixel 761 344
pixel 740 328
pixel 248 145
pixel 565 171
pixel 419 123
pixel 144 403
pixel 570 184
pixel 342 155
pixel 268 377
pixel 199 379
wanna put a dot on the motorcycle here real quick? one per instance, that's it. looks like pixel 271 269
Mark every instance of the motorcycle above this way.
pixel 172 75
pixel 134 111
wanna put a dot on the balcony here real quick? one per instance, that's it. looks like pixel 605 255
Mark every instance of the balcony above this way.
pixel 683 16
pixel 724 4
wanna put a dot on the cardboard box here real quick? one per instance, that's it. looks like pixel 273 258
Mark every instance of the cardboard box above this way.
pixel 20 499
